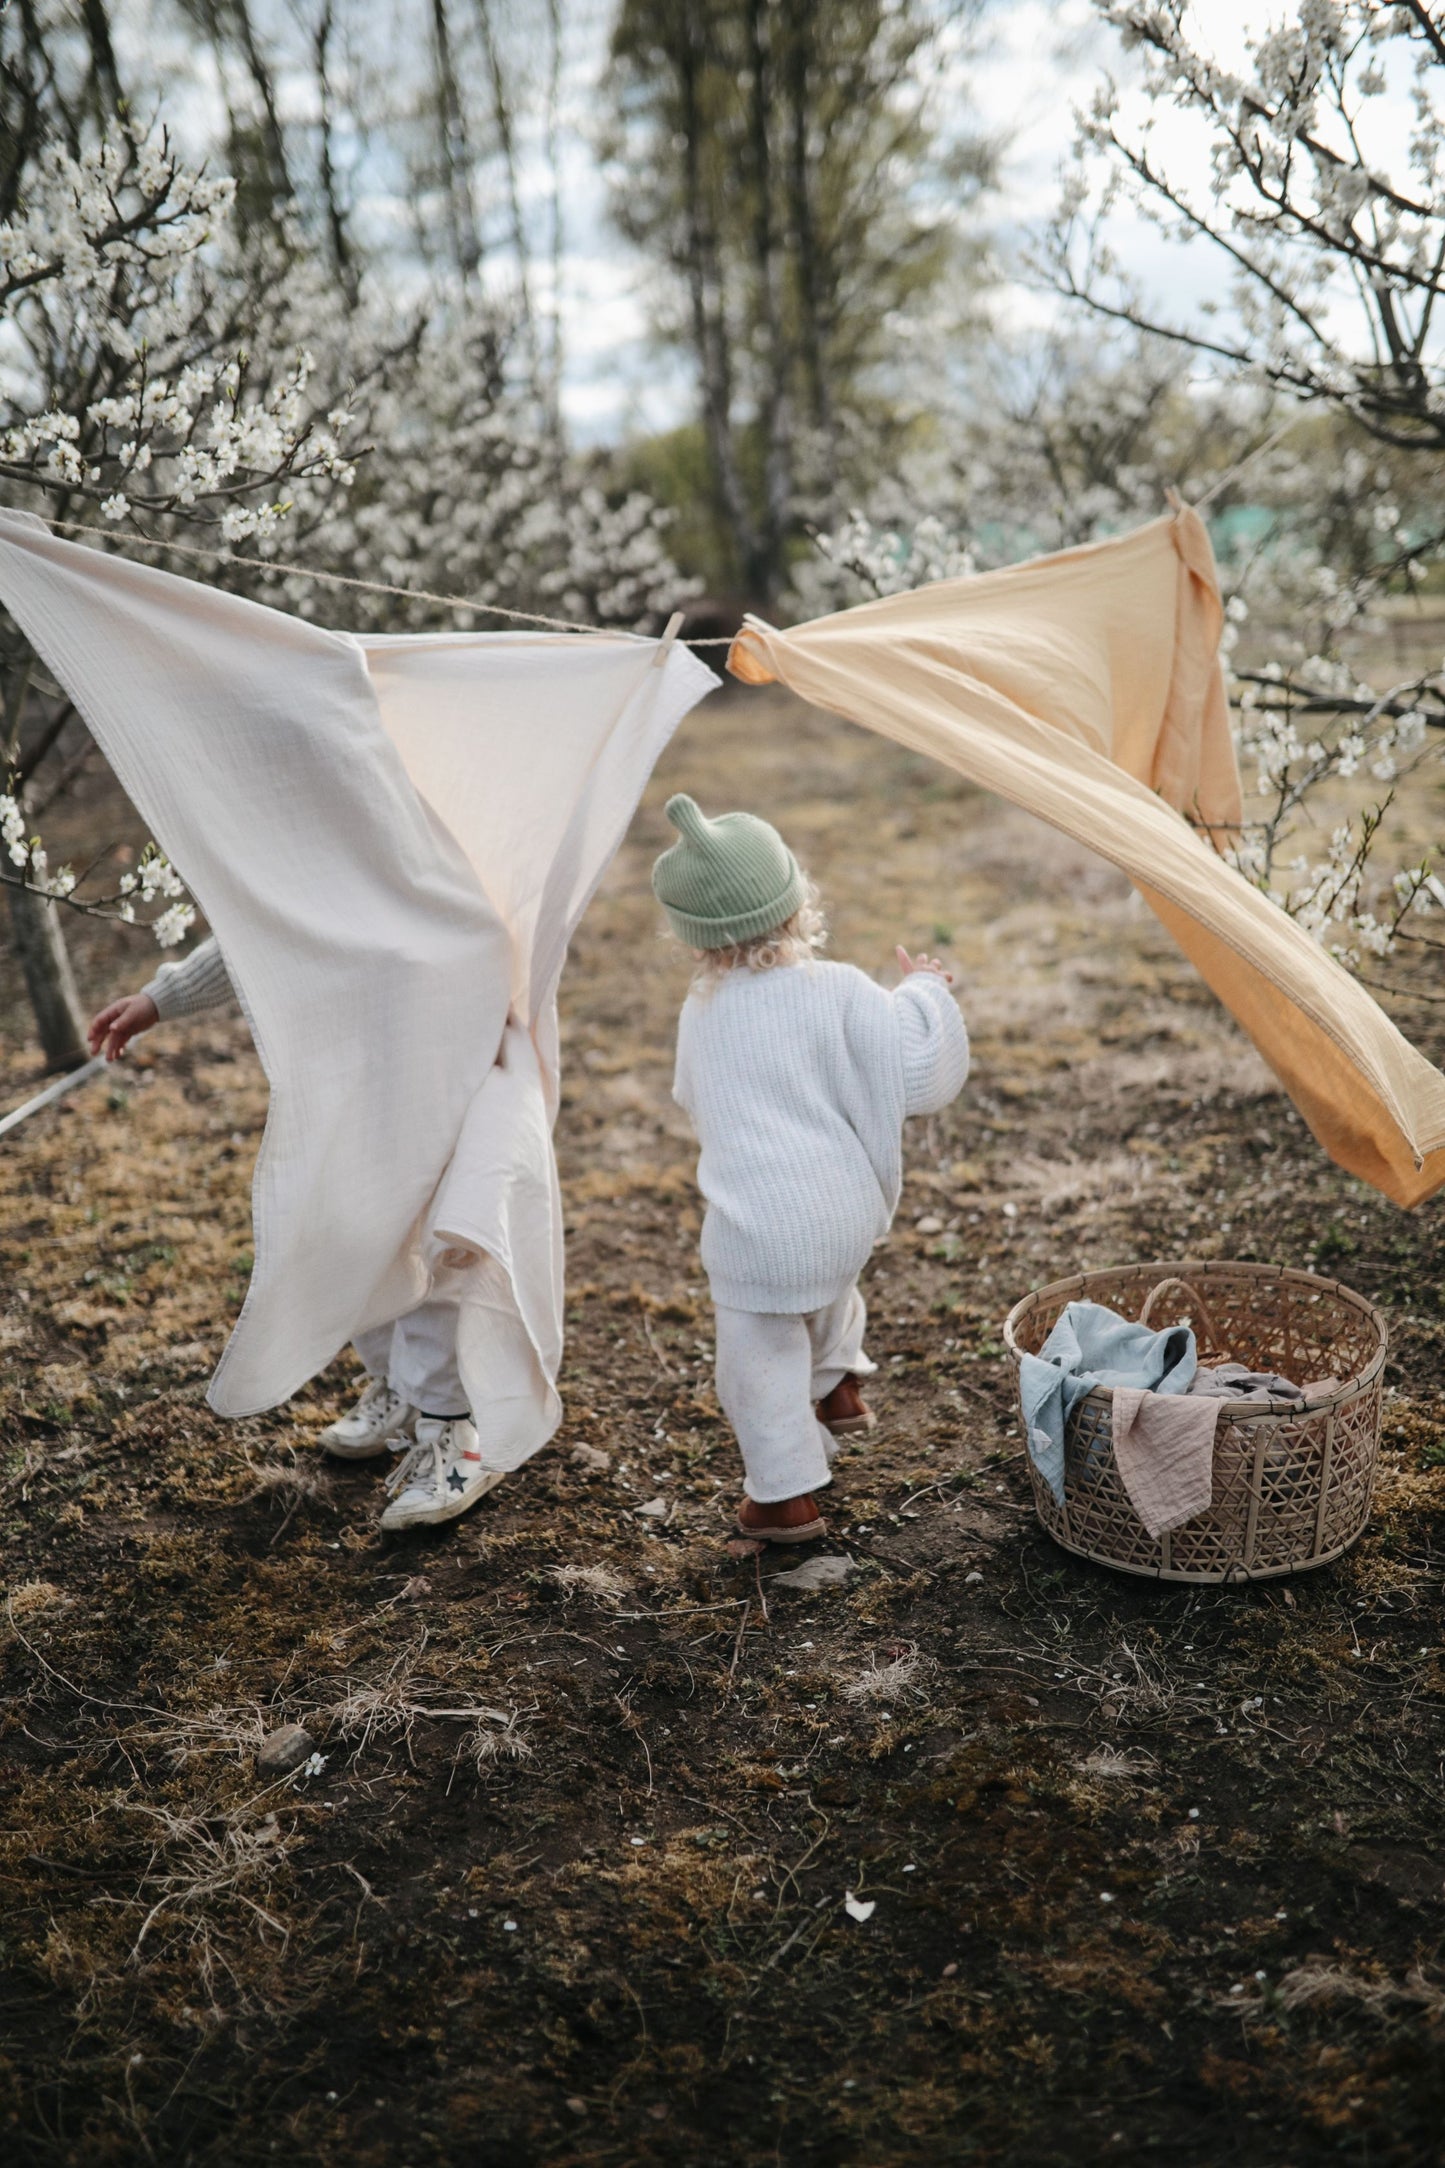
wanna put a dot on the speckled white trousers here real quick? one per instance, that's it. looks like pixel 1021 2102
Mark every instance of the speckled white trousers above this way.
pixel 770 1371
pixel 417 1356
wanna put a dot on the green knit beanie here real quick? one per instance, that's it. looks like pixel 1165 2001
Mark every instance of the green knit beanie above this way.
pixel 726 880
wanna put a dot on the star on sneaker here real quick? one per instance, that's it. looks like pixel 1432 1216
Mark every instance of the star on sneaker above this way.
pixel 441 1476
pixel 381 1422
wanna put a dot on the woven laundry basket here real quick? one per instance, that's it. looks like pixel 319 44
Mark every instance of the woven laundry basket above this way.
pixel 1292 1486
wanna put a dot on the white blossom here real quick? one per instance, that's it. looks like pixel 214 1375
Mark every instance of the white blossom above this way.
pixel 174 924
pixel 118 260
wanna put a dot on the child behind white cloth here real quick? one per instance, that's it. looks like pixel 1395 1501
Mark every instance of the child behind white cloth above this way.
pixel 797 1075
pixel 414 1404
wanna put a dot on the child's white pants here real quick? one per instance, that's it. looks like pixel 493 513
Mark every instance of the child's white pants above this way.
pixel 770 1371
pixel 417 1354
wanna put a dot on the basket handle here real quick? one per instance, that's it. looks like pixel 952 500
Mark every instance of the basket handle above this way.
pixel 1188 1289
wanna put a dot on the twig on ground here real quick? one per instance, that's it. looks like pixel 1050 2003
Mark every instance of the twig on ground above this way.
pixel 738 1645
pixel 662 1362
pixel 888 1558
pixel 633 1723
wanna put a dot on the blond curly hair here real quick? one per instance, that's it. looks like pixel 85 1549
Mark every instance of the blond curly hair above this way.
pixel 799 940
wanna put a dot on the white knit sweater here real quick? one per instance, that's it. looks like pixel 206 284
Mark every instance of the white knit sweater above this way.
pixel 199 981
pixel 798 1080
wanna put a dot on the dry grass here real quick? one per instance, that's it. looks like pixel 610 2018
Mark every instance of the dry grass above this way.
pixel 390 1706
pixel 895 1678
pixel 1310 1986
pixel 590 1797
pixel 597 1581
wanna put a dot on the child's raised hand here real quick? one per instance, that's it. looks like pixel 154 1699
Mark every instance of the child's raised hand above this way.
pixel 112 1028
pixel 933 964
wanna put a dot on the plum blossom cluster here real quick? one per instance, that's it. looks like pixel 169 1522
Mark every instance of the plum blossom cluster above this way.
pixel 468 491
pixel 154 881
pixel 111 279
pixel 1030 446
pixel 888 560
pixel 1327 896
pixel 124 206
pixel 1332 218
pixel 1316 741
pixel 28 853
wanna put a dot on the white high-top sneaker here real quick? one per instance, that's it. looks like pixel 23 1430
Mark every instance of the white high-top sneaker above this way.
pixel 381 1422
pixel 441 1476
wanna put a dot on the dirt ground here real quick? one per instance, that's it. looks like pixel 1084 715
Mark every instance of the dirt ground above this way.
pixel 1155 1871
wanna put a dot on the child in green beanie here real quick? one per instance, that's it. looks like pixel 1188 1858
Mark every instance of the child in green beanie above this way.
pixel 797 1075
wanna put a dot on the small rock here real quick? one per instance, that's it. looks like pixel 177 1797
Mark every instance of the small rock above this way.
pixel 577 2107
pixel 814 1573
pixel 931 1225
pixel 284 1750
pixel 596 1462
pixel 654 1510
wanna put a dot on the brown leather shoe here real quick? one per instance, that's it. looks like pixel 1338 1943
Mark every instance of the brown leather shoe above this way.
pixel 787 1520
pixel 845 1409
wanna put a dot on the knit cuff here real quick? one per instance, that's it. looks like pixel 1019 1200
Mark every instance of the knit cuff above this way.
pixel 200 981
pixel 934 1042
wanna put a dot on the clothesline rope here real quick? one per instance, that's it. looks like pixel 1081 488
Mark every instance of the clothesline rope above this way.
pixel 1231 473
pixel 204 555
pixel 371 587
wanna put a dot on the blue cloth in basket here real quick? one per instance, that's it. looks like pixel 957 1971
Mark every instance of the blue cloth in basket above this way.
pixel 1092 1345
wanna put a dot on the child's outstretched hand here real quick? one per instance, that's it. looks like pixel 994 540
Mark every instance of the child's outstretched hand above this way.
pixel 909 964
pixel 112 1028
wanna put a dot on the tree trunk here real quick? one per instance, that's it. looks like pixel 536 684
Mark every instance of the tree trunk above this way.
pixel 504 122
pixel 709 315
pixel 457 162
pixel 49 980
pixel 343 260
pixel 773 416
pixel 811 334
pixel 274 141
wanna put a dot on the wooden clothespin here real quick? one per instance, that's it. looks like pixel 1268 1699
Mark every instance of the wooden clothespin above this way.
pixel 670 632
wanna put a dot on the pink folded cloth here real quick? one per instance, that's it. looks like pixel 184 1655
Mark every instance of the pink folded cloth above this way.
pixel 1164 1450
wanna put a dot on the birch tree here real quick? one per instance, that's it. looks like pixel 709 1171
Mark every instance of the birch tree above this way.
pixel 777 164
